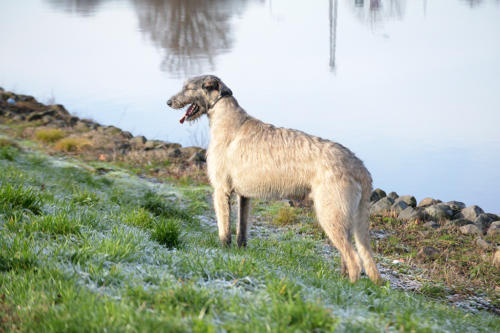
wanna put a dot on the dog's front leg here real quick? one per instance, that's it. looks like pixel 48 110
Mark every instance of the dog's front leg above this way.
pixel 222 211
pixel 242 230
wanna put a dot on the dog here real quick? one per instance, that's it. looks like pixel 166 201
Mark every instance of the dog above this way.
pixel 258 160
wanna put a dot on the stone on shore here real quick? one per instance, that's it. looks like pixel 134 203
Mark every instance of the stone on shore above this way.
pixel 459 222
pixel 138 140
pixel 408 199
pixel 438 212
pixel 381 206
pixel 174 153
pixel 456 206
pixel 393 195
pixel 411 214
pixel 197 157
pixel 483 222
pixel 494 229
pixel 377 194
pixel 470 213
pixel 427 253
pixel 428 202
pixel 431 224
pixel 398 206
pixel 482 244
pixel 470 229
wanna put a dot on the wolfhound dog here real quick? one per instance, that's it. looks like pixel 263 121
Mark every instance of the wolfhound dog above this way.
pixel 258 160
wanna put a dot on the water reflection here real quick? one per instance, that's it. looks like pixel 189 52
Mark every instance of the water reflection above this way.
pixel 190 33
pixel 333 9
pixel 376 11
pixel 81 7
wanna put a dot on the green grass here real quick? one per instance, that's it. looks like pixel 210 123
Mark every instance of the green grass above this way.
pixel 85 252
pixel 167 232
pixel 19 197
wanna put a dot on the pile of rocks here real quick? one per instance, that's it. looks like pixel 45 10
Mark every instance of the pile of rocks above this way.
pixel 470 220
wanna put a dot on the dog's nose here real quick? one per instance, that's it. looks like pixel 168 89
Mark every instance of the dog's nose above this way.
pixel 169 102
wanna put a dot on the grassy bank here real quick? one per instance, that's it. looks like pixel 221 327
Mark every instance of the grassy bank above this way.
pixel 82 249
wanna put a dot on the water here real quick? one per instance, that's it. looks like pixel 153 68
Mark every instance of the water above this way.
pixel 410 86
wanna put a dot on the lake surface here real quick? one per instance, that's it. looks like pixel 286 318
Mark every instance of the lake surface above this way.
pixel 412 87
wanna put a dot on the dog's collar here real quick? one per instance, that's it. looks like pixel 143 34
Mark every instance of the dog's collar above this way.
pixel 221 95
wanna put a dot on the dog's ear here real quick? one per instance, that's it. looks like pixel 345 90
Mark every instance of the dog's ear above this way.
pixel 225 91
pixel 211 84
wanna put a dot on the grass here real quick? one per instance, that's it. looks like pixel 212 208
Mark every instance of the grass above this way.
pixel 167 232
pixel 286 216
pixel 13 198
pixel 461 264
pixel 90 252
pixel 58 224
pixel 72 144
pixel 49 135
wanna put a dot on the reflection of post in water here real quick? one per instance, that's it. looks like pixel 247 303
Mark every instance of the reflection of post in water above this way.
pixel 191 33
pixel 333 32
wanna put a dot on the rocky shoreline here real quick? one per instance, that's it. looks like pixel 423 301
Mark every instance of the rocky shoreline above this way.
pixel 109 141
pixel 469 220
pixel 435 214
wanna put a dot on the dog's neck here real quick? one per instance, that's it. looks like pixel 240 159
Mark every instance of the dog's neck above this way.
pixel 226 117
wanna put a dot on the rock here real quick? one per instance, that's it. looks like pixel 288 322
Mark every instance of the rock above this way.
pixel 127 135
pixel 427 253
pixel 377 194
pixel 459 222
pixel 428 202
pixel 174 153
pixel 1 89
pixel 411 214
pixel 124 148
pixel 471 212
pixel 439 212
pixel 81 126
pixel 408 199
pixel 496 258
pixel 11 100
pixel 44 115
pixel 393 195
pixel 470 229
pixel 149 145
pixel 398 207
pixel 482 244
pixel 494 217
pixel 197 157
pixel 494 229
pixel 382 206
pixel 456 206
pixel 138 140
pixel 431 224
pixel 483 222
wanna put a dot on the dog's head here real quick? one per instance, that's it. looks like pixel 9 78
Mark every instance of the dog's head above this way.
pixel 201 93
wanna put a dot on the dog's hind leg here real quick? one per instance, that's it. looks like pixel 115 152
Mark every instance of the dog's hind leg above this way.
pixel 242 227
pixel 222 211
pixel 362 237
pixel 335 218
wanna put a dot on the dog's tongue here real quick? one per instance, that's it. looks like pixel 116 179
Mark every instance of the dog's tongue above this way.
pixel 188 112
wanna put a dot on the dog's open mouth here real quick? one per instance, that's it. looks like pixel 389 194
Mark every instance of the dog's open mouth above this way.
pixel 191 111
